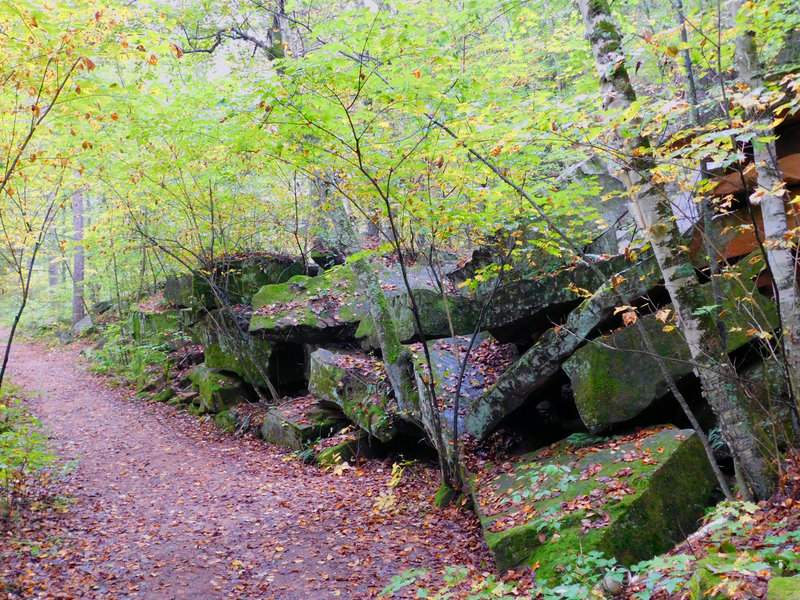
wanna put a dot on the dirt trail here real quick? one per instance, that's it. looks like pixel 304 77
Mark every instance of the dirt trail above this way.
pixel 168 507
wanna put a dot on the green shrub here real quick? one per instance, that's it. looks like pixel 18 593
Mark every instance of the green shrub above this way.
pixel 25 456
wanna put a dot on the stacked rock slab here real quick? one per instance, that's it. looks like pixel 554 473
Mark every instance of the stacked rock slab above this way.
pixel 630 498
pixel 217 391
pixel 543 360
pixel 300 421
pixel 520 310
pixel 608 391
pixel 228 350
pixel 236 277
pixel 311 310
pixel 446 372
pixel 356 384
pixel 330 309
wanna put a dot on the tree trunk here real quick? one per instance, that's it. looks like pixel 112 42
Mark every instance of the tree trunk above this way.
pixel 78 260
pixel 652 208
pixel 52 272
pixel 779 240
pixel 396 357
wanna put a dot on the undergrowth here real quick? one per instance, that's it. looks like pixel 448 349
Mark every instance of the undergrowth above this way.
pixel 743 546
pixel 26 460
pixel 131 362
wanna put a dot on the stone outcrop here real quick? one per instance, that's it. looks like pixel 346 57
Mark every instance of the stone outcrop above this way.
pixel 226 349
pixel 299 421
pixel 217 391
pixel 432 312
pixel 608 391
pixel 356 384
pixel 235 277
pixel 314 310
pixel 330 308
pixel 543 360
pixel 522 309
pixel 618 497
pixel 446 356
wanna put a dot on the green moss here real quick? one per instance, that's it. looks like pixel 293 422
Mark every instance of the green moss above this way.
pixel 177 401
pixel 608 391
pixel 444 496
pixel 225 349
pixel 309 302
pixel 711 573
pixel 164 395
pixel 226 420
pixel 432 313
pixel 784 588
pixel 217 391
pixel 337 454
pixel 642 523
pixel 607 32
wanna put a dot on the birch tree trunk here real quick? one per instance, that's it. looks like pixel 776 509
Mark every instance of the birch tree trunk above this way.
pixel 779 241
pixel 78 262
pixel 652 207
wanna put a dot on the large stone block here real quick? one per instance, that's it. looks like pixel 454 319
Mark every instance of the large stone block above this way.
pixel 356 384
pixel 236 277
pixel 543 360
pixel 217 391
pixel 520 309
pixel 309 309
pixel 615 378
pixel 630 498
pixel 169 326
pixel 299 422
pixel 227 349
pixel 331 308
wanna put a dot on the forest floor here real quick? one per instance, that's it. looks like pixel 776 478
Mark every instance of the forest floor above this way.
pixel 163 505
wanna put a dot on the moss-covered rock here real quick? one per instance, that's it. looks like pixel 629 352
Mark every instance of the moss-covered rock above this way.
pixel 522 308
pixel 543 360
pixel 342 447
pixel 183 399
pixel 217 391
pixel 179 291
pixel 715 576
pixel 445 356
pixel 630 498
pixel 770 404
pixel 356 384
pixel 308 309
pixel 444 496
pixel 227 350
pixel 331 308
pixel 226 420
pixel 784 588
pixel 298 422
pixel 432 312
pixel 164 395
pixel 237 277
pixel 608 391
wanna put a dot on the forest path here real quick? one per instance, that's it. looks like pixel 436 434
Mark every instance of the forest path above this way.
pixel 167 507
